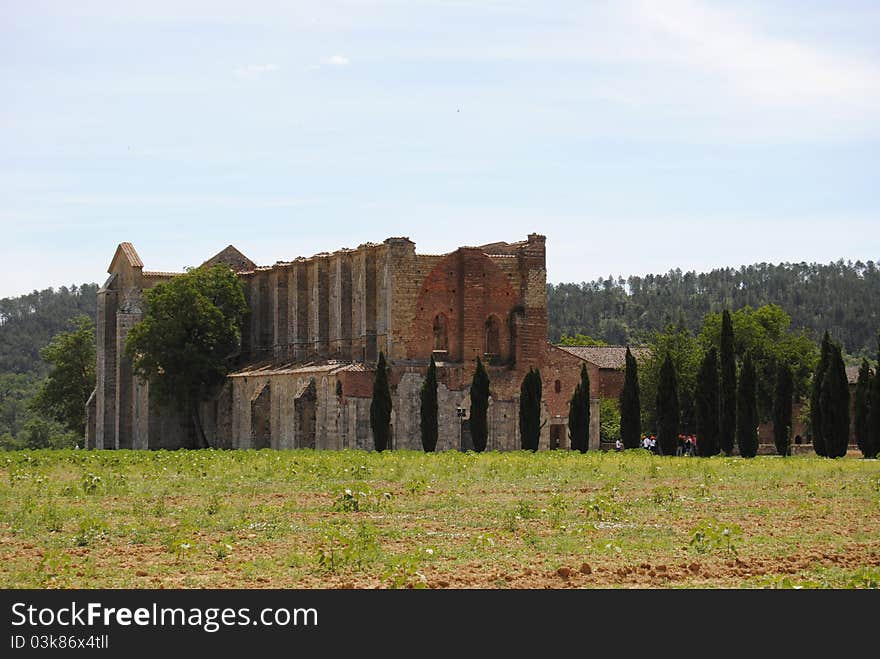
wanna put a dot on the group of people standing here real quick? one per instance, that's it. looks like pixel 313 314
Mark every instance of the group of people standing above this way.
pixel 687 444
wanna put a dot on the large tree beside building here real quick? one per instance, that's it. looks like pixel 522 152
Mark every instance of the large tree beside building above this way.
pixel 816 427
pixel 428 408
pixel 834 401
pixel 706 399
pixel 479 421
pixel 630 404
pixel 71 380
pixel 380 406
pixel 782 402
pixel 727 400
pixel 747 410
pixel 189 337
pixel 530 410
pixel 668 414
pixel 861 411
pixel 579 413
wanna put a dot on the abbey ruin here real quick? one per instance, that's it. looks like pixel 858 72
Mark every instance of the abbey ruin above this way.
pixel 315 329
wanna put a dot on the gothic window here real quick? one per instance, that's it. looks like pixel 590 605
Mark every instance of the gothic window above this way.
pixel 440 332
pixel 493 338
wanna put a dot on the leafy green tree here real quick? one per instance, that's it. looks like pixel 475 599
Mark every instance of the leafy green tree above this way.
pixel 479 423
pixel 579 413
pixel 530 410
pixel 609 420
pixel 630 404
pixel 874 407
pixel 40 432
pixel 765 333
pixel 428 408
pixel 862 411
pixel 71 379
pixel 580 340
pixel 782 421
pixel 668 418
pixel 816 426
pixel 747 410
pixel 683 347
pixel 834 401
pixel 727 400
pixel 380 406
pixel 189 338
pixel 706 402
pixel 16 393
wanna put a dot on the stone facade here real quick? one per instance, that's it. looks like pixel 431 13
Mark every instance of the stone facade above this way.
pixel 315 330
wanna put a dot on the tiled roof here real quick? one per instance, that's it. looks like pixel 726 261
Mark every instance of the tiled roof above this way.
pixel 131 254
pixel 156 273
pixel 298 368
pixel 605 356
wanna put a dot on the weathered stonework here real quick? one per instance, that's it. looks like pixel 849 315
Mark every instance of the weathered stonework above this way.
pixel 313 335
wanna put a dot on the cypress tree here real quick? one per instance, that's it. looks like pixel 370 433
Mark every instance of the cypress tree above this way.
pixel 782 400
pixel 630 405
pixel 579 413
pixel 480 408
pixel 428 408
pixel 861 427
pixel 668 413
pixel 815 395
pixel 727 402
pixel 706 407
pixel 834 402
pixel 747 410
pixel 874 408
pixel 530 410
pixel 380 406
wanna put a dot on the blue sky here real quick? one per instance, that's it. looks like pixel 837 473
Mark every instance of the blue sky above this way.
pixel 638 136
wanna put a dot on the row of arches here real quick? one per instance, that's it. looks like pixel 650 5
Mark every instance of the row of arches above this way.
pixel 492 334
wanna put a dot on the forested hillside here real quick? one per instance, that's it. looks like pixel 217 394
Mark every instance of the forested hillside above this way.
pixel 28 323
pixel 843 297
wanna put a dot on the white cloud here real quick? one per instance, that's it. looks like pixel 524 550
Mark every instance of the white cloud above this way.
pixel 748 61
pixel 255 70
pixel 337 60
pixel 221 201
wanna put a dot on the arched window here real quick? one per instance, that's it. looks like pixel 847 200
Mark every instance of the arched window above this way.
pixel 557 386
pixel 493 335
pixel 441 341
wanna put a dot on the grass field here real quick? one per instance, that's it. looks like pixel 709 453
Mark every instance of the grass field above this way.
pixel 307 519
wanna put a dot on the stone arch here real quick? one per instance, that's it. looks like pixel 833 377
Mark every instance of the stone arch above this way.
pixel 441 332
pixel 305 411
pixel 261 425
pixel 493 336
pixel 466 287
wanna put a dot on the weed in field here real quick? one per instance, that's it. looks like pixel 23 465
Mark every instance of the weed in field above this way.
pixel 557 509
pixel 91 483
pixel 222 550
pixel 709 535
pixel 662 494
pixel 214 504
pixel 342 547
pixel 51 518
pixel 89 532
pixel 403 571
pixel 352 500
